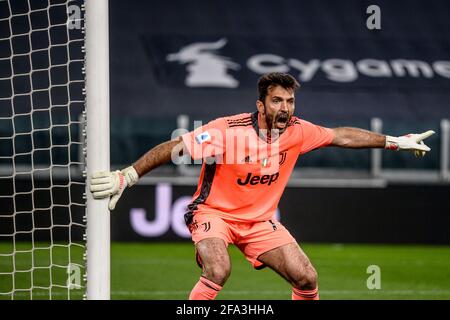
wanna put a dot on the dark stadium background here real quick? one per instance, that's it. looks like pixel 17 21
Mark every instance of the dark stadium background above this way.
pixel 147 91
pixel 334 197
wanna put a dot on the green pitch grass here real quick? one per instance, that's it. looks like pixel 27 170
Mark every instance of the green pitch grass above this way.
pixel 168 271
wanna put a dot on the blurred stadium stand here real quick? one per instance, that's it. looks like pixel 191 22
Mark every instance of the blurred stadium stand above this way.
pixel 349 75
pixel 148 82
pixel 150 88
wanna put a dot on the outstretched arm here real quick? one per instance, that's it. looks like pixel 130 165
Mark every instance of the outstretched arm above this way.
pixel 112 184
pixel 359 138
pixel 157 156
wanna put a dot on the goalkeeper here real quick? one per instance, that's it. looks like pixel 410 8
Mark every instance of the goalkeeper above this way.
pixel 238 192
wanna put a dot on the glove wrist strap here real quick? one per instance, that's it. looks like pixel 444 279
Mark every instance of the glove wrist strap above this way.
pixel 131 175
pixel 392 143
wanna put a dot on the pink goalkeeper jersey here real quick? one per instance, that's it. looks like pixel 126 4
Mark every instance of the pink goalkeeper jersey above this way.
pixel 250 172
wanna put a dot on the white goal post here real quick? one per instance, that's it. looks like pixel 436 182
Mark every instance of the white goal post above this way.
pixel 97 106
pixel 54 132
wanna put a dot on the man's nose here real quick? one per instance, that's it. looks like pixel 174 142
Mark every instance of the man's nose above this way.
pixel 284 106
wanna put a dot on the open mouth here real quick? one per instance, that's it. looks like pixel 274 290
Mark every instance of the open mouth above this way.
pixel 282 120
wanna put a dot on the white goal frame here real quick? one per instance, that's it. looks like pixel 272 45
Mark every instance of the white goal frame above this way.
pixel 97 156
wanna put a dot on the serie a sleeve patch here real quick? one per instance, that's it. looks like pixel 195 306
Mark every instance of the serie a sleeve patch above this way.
pixel 203 137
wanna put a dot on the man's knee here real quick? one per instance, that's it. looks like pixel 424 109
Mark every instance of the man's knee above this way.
pixel 306 280
pixel 217 272
pixel 215 260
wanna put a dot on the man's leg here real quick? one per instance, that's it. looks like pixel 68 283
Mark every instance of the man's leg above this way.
pixel 216 268
pixel 293 265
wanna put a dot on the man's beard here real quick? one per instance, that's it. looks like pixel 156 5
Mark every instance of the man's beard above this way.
pixel 279 121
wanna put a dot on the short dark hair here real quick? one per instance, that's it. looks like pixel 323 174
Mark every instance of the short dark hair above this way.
pixel 269 80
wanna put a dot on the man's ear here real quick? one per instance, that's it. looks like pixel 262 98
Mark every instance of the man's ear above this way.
pixel 260 107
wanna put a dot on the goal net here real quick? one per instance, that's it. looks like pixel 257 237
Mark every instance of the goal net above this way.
pixel 42 167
